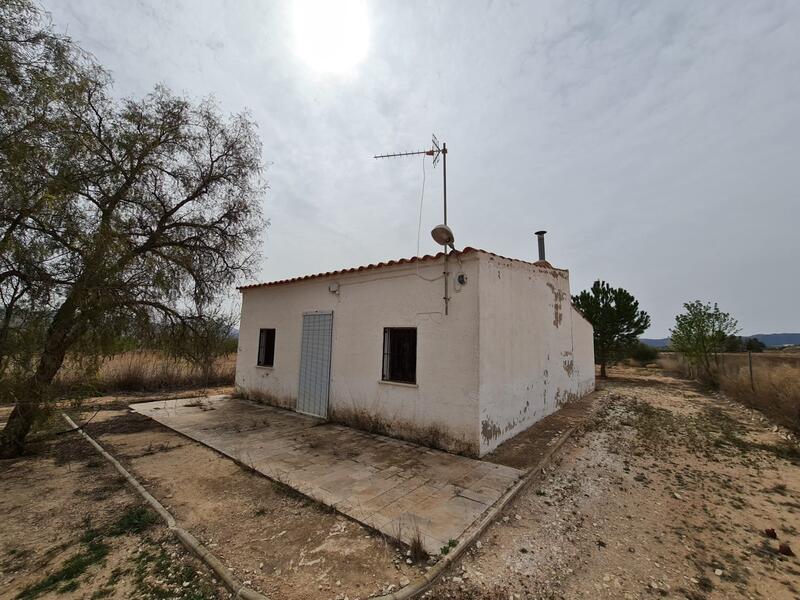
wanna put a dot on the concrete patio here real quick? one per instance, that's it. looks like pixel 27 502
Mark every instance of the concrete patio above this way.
pixel 393 486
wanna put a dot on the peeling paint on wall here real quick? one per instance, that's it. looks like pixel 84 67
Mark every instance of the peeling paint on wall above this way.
pixel 535 358
pixel 489 431
pixel 558 299
pixel 568 363
pixel 565 396
pixel 569 366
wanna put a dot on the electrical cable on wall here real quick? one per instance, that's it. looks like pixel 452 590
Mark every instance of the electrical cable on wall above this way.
pixel 419 226
pixel 421 200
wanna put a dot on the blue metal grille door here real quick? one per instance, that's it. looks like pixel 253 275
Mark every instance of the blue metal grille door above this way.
pixel 315 364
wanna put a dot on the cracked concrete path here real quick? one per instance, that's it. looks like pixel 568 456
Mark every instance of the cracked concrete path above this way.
pixel 396 487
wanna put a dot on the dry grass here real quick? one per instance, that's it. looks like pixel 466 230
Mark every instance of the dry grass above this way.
pixel 267 398
pixel 774 389
pixel 142 371
pixel 432 435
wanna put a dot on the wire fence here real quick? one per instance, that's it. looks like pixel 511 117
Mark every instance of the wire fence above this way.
pixel 767 381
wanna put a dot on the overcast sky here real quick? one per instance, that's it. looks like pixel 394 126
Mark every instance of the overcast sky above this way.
pixel 657 142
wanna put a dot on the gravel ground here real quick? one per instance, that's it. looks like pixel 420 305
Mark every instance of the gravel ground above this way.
pixel 665 491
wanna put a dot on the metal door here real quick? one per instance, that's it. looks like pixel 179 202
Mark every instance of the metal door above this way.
pixel 315 364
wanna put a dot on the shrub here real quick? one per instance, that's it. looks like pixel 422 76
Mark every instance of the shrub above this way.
pixel 643 353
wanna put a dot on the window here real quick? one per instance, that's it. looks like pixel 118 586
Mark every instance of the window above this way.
pixel 266 347
pixel 400 354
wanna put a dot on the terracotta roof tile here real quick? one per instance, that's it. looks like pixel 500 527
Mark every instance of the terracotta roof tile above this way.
pixel 401 261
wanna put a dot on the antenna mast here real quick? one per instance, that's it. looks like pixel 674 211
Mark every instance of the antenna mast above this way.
pixel 436 152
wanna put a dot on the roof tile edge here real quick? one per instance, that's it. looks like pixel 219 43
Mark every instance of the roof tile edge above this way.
pixel 391 263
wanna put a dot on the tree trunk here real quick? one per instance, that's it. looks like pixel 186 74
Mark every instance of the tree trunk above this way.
pixel 5 327
pixel 60 336
pixel 12 439
pixel 603 370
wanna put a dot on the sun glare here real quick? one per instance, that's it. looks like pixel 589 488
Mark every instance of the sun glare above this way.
pixel 331 36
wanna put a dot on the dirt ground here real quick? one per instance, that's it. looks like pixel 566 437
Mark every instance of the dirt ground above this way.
pixel 274 539
pixel 663 491
pixel 666 491
pixel 71 528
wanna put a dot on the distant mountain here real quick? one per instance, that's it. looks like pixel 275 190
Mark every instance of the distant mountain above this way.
pixel 655 342
pixel 770 340
pixel 778 339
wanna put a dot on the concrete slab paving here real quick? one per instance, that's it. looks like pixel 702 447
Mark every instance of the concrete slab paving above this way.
pixel 396 487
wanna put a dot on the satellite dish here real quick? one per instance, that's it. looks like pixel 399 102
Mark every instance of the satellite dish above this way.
pixel 443 235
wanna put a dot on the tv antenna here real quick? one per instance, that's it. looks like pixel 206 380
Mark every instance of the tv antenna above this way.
pixel 437 151
pixel 442 234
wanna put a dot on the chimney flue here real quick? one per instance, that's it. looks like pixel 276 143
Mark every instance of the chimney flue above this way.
pixel 540 236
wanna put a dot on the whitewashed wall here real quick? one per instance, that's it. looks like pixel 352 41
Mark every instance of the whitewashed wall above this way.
pixel 512 350
pixel 441 409
pixel 535 350
pixel 583 335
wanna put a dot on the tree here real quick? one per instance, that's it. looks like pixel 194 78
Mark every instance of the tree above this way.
pixel 39 71
pixel 642 353
pixel 615 316
pixel 754 345
pixel 138 210
pixel 201 340
pixel 700 333
pixel 733 344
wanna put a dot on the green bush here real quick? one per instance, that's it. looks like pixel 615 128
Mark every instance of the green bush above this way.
pixel 643 353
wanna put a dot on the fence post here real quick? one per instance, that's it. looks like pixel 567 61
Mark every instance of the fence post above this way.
pixel 750 362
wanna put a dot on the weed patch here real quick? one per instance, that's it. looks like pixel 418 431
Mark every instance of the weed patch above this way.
pixel 157 576
pixel 66 578
pixel 134 520
pixel 418 553
pixel 447 547
pixel 639 427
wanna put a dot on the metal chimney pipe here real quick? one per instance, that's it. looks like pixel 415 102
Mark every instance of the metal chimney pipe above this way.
pixel 540 236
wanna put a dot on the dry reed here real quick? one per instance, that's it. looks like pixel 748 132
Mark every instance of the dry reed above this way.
pixel 142 371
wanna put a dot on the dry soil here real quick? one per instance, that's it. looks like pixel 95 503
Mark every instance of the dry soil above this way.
pixel 666 491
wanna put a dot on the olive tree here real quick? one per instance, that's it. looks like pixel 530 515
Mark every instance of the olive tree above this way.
pixel 616 318
pixel 140 209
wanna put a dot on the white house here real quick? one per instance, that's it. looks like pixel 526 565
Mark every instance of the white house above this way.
pixel 378 347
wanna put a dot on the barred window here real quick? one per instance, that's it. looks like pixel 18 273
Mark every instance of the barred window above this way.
pixel 400 354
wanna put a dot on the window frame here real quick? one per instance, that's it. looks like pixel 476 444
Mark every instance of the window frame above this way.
pixel 386 357
pixel 261 352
